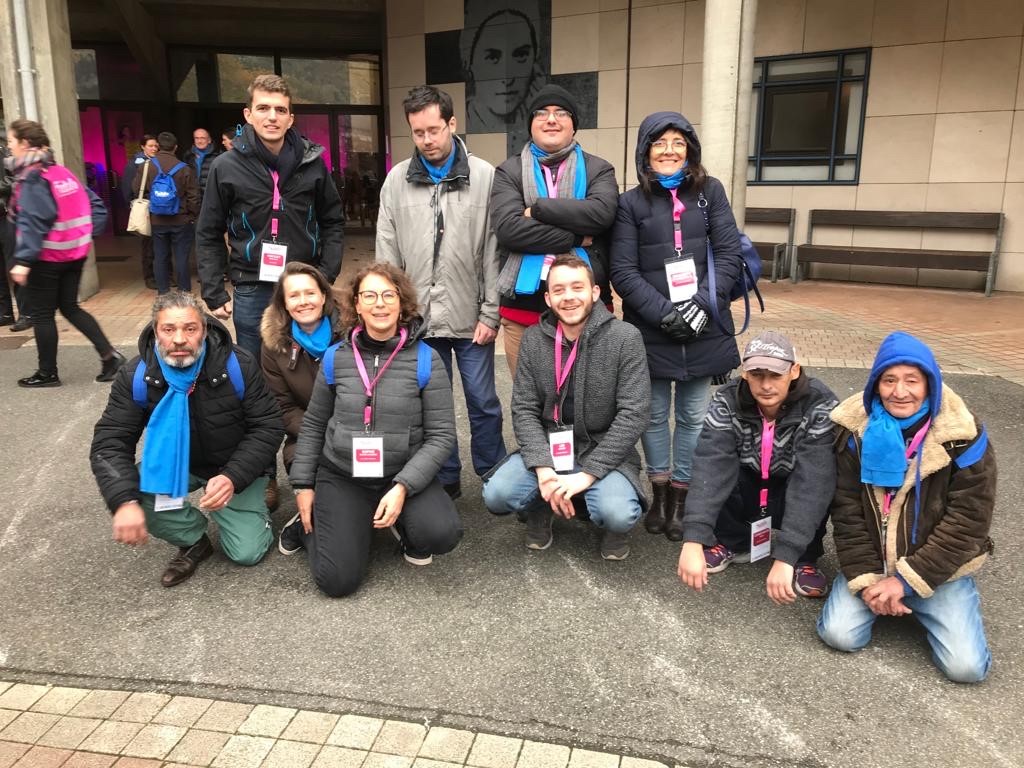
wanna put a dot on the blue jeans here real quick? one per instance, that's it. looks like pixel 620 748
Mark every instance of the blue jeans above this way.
pixel 476 367
pixel 250 300
pixel 612 501
pixel 171 240
pixel 951 617
pixel 661 448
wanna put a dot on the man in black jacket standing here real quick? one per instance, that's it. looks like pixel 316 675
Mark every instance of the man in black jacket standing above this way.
pixel 551 198
pixel 210 422
pixel 276 200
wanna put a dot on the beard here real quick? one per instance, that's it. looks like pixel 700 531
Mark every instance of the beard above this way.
pixel 177 362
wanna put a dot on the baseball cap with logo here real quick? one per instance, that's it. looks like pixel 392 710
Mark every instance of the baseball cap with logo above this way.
pixel 769 351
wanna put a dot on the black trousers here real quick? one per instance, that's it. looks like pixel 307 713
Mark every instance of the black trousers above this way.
pixel 7 290
pixel 743 508
pixel 339 545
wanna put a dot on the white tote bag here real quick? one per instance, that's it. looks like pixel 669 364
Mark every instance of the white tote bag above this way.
pixel 138 215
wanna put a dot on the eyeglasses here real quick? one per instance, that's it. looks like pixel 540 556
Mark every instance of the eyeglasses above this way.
pixel 545 114
pixel 678 145
pixel 431 133
pixel 369 298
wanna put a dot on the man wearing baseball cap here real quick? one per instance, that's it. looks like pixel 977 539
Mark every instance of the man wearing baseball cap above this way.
pixel 764 461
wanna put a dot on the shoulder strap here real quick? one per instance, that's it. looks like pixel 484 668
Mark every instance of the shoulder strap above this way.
pixel 176 168
pixel 235 374
pixel 139 385
pixel 327 363
pixel 423 364
pixel 975 451
pixel 702 203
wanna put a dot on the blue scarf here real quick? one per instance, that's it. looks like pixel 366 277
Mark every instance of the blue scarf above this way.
pixel 315 343
pixel 200 155
pixel 439 174
pixel 165 456
pixel 883 456
pixel 673 181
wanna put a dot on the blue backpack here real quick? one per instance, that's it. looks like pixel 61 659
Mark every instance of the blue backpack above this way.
pixel 139 394
pixel 423 363
pixel 163 195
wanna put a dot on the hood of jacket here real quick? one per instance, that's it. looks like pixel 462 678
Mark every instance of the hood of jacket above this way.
pixel 276 330
pixel 901 348
pixel 417 174
pixel 656 124
pixel 243 144
pixel 798 390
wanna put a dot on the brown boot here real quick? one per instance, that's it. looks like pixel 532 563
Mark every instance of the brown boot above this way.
pixel 654 522
pixel 186 561
pixel 674 515
pixel 272 496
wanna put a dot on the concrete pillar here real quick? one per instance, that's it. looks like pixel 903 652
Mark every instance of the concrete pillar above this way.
pixel 55 93
pixel 725 105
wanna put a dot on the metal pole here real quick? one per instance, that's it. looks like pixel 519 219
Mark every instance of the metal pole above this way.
pixel 24 55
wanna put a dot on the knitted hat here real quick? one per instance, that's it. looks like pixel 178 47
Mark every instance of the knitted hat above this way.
pixel 556 95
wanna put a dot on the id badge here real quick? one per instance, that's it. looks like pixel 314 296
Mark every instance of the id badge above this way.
pixel 760 539
pixel 548 261
pixel 165 503
pixel 681 273
pixel 272 260
pixel 563 449
pixel 367 455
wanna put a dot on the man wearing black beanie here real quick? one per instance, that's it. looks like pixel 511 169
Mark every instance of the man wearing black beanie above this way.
pixel 552 198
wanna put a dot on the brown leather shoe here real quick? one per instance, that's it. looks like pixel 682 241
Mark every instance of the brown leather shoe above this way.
pixel 186 561
pixel 674 514
pixel 654 522
pixel 272 496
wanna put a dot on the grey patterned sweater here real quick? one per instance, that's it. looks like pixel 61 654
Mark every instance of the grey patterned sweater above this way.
pixel 803 461
pixel 611 396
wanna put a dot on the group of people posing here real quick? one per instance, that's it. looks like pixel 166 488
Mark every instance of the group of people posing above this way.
pixel 357 383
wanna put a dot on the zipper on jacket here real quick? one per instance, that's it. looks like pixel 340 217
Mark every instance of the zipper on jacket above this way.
pixel 252 239
pixel 373 397
pixel 435 204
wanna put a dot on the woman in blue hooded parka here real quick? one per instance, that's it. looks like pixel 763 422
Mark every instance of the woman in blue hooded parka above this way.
pixel 659 267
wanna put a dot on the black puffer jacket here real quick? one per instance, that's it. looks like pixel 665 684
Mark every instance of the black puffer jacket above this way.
pixel 418 426
pixel 236 438
pixel 555 225
pixel 191 157
pixel 641 242
pixel 239 197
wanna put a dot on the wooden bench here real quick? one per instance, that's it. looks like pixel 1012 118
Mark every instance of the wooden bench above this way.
pixel 919 258
pixel 776 253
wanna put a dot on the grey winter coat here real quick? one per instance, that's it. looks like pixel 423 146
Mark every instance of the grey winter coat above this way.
pixel 611 396
pixel 455 272
pixel 418 426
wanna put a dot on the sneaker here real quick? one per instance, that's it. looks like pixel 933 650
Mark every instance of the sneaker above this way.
pixel 615 546
pixel 150 283
pixel 538 529
pixel 289 541
pixel 40 379
pixel 111 367
pixel 411 557
pixel 454 490
pixel 809 581
pixel 23 323
pixel 718 558
pixel 6 320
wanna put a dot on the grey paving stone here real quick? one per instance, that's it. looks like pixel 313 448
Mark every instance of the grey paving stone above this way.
pixel 636 762
pixel 426 762
pixel 22 696
pixel 267 721
pixel 535 754
pixel 28 727
pixel 377 760
pixel 154 741
pixel 243 752
pixel 69 732
pixel 446 744
pixel 89 760
pixel 141 707
pixel 585 758
pixel 6 715
pixel 397 737
pixel 183 711
pixel 60 701
pixel 199 747
pixel 224 716
pixel 110 737
pixel 291 754
pixel 490 751
pixel 99 704
pixel 339 757
pixel 355 731
pixel 4 685
pixel 314 727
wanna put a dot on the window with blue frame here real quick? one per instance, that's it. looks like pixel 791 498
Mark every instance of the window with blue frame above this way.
pixel 807 118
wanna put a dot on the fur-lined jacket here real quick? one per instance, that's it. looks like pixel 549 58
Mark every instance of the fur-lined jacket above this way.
pixel 957 497
pixel 290 371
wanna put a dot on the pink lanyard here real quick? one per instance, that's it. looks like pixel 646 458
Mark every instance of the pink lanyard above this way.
pixel 911 450
pixel 677 213
pixel 552 180
pixel 767 445
pixel 562 375
pixel 277 204
pixel 368 386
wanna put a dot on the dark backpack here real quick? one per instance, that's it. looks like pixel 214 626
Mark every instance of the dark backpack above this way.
pixel 745 283
pixel 423 363
pixel 139 394
pixel 163 195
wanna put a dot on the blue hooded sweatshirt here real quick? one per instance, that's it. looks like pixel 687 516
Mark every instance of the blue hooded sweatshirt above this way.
pixel 901 348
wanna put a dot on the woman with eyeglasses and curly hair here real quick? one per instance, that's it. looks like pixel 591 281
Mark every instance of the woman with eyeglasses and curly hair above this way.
pixel 379 425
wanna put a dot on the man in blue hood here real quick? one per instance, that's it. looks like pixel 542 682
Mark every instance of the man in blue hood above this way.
pixel 915 494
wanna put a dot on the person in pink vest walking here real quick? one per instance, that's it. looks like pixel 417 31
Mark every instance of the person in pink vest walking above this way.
pixel 54 216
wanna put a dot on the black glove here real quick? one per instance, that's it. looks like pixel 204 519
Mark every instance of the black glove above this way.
pixel 684 322
pixel 694 316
